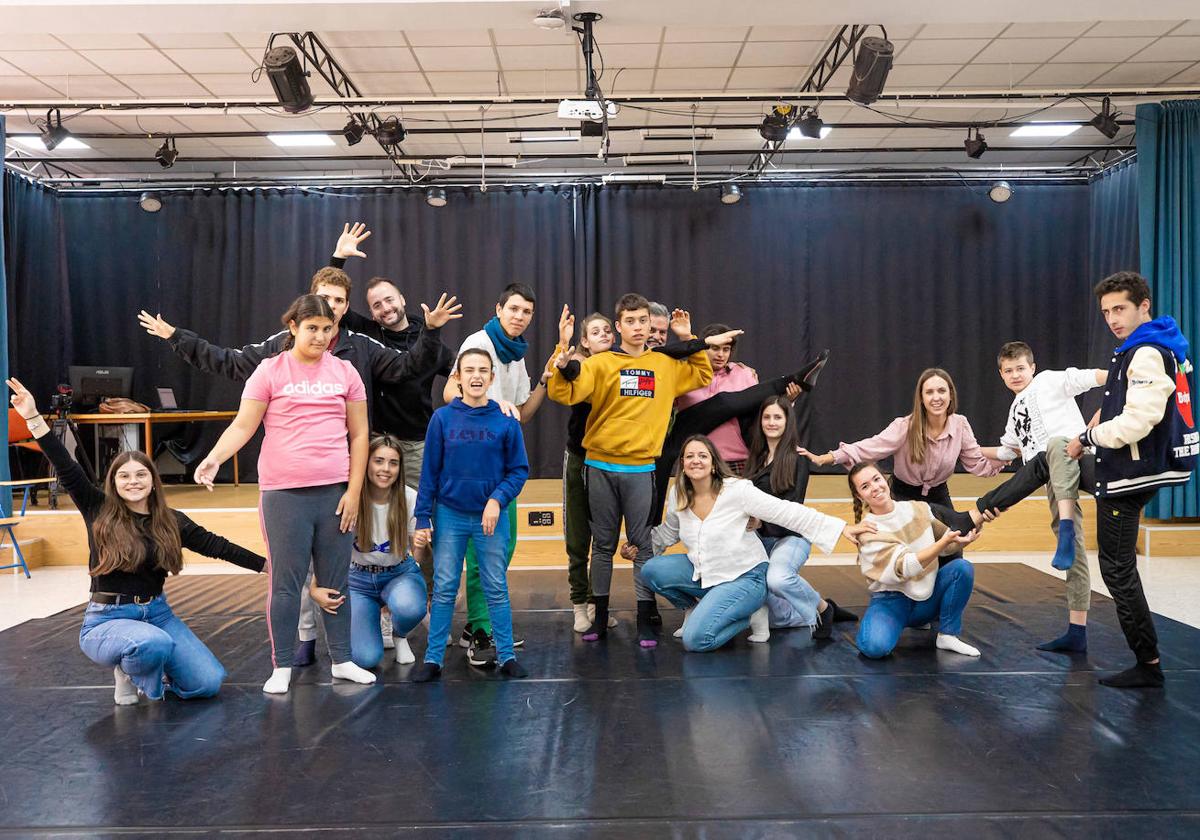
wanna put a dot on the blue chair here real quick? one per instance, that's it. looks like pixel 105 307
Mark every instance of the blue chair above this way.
pixel 9 523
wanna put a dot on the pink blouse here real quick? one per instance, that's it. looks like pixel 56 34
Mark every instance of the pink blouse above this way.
pixel 956 443
pixel 727 437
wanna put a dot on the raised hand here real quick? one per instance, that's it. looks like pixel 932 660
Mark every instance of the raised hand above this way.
pixel 723 338
pixel 792 392
pixel 566 326
pixel 347 244
pixel 681 324
pixel 155 325
pixel 445 311
pixel 561 358
pixel 22 400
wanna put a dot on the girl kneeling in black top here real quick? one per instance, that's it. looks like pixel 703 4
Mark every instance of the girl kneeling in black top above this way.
pixel 134 541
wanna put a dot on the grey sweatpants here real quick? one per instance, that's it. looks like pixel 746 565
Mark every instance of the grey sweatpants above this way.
pixel 613 496
pixel 301 529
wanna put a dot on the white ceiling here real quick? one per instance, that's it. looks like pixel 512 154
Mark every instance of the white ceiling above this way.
pixel 642 57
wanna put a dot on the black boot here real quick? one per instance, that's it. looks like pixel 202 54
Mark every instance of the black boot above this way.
pixel 806 377
pixel 655 615
pixel 647 638
pixel 599 628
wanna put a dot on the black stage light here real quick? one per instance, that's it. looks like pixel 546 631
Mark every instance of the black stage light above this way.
pixel 54 133
pixel 353 132
pixel 811 125
pixel 870 71
pixel 774 128
pixel 167 153
pixel 435 197
pixel 288 79
pixel 1106 121
pixel 731 194
pixel 390 132
pixel 975 147
pixel 150 202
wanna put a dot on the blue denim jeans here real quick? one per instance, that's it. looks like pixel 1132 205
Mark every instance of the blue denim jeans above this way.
pixel 719 612
pixel 791 599
pixel 451 531
pixel 149 642
pixel 890 612
pixel 401 588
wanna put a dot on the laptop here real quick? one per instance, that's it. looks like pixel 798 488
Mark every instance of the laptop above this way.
pixel 166 401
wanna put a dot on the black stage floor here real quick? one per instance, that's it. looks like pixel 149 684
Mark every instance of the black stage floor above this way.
pixel 793 738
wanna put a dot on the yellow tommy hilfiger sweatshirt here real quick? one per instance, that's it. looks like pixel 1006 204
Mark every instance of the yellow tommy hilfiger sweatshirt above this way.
pixel 631 401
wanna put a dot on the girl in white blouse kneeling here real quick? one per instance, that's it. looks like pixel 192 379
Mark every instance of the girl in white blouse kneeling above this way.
pixel 721 583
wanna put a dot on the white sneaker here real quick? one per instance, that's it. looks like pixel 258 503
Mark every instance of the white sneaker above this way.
pixel 385 627
pixel 582 618
pixel 678 634
pixel 760 624
pixel 404 654
pixel 125 693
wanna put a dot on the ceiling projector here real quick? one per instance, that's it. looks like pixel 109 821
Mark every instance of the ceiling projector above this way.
pixel 584 109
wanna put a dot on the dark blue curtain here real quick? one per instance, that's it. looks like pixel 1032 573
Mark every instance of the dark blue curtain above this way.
pixel 227 263
pixel 1168 144
pixel 891 278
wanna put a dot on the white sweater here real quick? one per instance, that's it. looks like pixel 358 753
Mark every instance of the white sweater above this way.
pixel 1044 410
pixel 719 546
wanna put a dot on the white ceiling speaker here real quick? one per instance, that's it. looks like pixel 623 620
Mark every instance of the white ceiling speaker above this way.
pixel 550 19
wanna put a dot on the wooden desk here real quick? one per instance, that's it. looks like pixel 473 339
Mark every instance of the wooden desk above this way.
pixel 147 421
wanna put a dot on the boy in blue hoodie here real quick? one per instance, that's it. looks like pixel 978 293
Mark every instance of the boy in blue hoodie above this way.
pixel 1146 439
pixel 475 465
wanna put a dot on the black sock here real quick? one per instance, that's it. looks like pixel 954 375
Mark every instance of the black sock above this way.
pixel 599 628
pixel 655 615
pixel 645 629
pixel 1073 641
pixel 1141 675
pixel 824 628
pixel 806 377
pixel 840 614
pixel 513 670
pixel 425 672
pixel 305 654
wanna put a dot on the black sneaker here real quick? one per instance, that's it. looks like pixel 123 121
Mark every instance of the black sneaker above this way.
pixel 481 653
pixel 464 641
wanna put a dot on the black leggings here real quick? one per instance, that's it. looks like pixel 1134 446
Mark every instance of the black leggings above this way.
pixel 702 418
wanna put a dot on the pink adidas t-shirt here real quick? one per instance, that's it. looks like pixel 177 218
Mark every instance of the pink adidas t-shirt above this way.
pixel 305 442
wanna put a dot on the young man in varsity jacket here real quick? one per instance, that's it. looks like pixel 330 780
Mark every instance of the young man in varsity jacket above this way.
pixel 1146 439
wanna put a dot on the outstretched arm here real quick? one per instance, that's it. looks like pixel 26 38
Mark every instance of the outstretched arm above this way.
pixel 202 355
pixel 243 427
pixel 203 541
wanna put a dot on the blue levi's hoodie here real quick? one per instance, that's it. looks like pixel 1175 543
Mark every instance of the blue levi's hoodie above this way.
pixel 471 455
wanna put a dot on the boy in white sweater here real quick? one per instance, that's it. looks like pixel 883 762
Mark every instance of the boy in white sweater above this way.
pixel 1043 418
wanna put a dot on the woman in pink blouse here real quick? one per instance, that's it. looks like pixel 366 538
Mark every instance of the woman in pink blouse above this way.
pixel 924 445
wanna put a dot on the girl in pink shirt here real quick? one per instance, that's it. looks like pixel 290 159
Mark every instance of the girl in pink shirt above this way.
pixel 925 445
pixel 308 402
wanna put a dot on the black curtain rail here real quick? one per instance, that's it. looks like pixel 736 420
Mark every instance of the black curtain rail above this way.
pixel 558 129
pixel 1040 94
pixel 574 156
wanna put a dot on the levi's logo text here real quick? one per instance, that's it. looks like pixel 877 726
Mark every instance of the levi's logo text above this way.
pixel 315 389
pixel 637 382
pixel 467 435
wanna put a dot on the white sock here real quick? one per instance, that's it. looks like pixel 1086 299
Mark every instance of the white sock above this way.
pixel 125 693
pixel 760 626
pixel 404 654
pixel 279 681
pixel 350 671
pixel 584 613
pixel 955 644
pixel 678 634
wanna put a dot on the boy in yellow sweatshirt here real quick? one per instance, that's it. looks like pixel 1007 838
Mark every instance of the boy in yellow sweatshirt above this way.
pixel 631 391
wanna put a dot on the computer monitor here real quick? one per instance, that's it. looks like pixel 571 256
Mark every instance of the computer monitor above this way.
pixel 92 384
